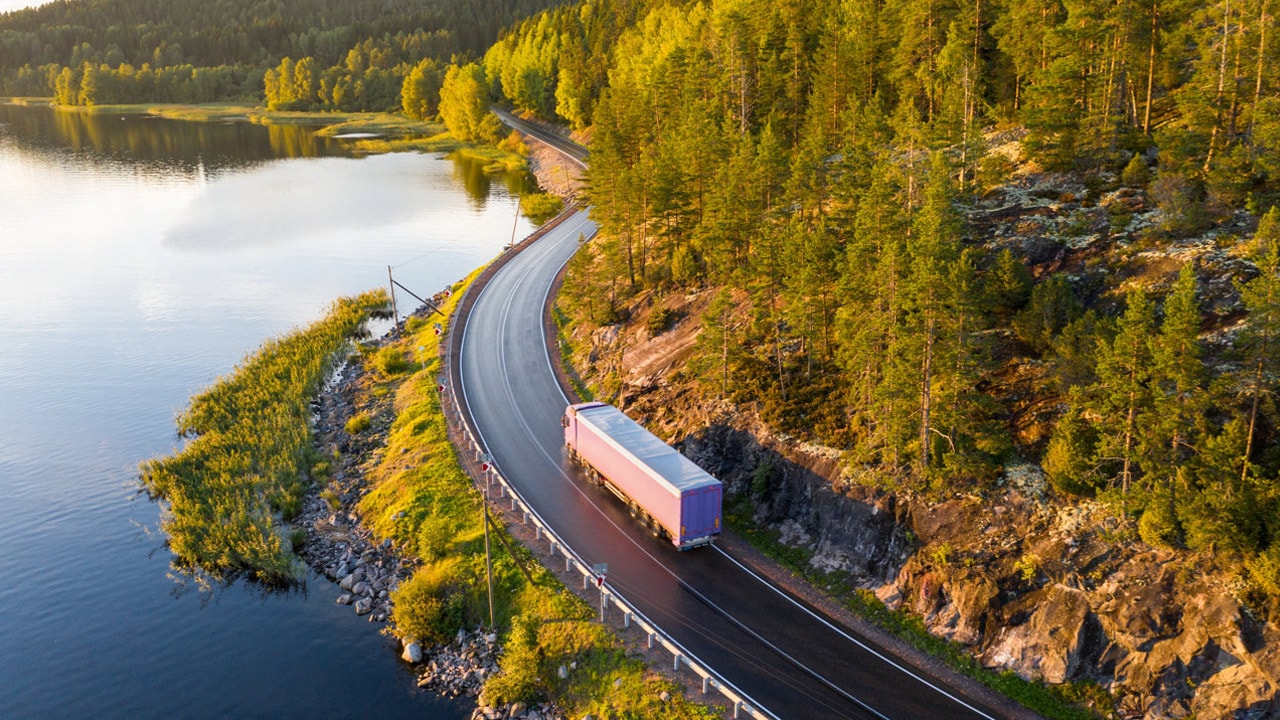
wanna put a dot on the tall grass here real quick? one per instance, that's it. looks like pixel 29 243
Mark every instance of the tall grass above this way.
pixel 244 468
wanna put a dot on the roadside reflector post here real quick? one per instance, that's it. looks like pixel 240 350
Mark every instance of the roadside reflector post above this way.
pixel 599 570
pixel 706 684
pixel 676 663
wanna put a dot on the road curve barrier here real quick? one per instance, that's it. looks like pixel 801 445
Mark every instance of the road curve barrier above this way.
pixel 474 458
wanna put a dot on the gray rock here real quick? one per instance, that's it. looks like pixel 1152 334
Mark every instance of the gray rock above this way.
pixel 563 672
pixel 361 588
pixel 517 709
pixel 344 599
pixel 347 582
pixel 364 606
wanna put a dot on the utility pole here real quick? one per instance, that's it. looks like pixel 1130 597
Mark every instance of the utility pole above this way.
pixel 391 285
pixel 515 222
pixel 488 556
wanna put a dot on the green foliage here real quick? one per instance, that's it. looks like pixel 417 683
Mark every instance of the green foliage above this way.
pixel 1069 461
pixel 423 499
pixel 520 679
pixel 661 319
pixel 420 93
pixel 1181 204
pixel 392 360
pixel 358 423
pixel 540 207
pixel 141 52
pixel 1028 567
pixel 1136 174
pixel 464 104
pixel 1051 308
pixel 428 607
pixel 248 452
pixel 1009 285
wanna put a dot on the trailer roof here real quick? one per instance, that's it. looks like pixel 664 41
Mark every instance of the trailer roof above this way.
pixel 667 464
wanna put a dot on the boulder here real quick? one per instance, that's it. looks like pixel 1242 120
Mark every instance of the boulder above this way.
pixel 412 653
pixel 1059 639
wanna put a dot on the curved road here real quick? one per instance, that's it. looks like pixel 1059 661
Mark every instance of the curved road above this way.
pixel 786 656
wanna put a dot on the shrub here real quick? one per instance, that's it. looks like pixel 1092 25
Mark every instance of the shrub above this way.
pixel 1159 524
pixel 429 607
pixel 660 321
pixel 540 207
pixel 1136 174
pixel 331 499
pixel 415 323
pixel 1028 566
pixel 519 679
pixel 391 360
pixel 1009 283
pixel 358 423
pixel 1069 457
pixel 1181 204
pixel 1052 306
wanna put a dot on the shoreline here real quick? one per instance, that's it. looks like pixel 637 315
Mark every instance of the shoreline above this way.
pixel 343 548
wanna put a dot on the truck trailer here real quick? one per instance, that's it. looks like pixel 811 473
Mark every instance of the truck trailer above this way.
pixel 666 491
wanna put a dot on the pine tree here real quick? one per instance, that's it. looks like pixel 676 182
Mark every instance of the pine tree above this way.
pixel 933 248
pixel 1261 297
pixel 1122 392
pixel 1174 419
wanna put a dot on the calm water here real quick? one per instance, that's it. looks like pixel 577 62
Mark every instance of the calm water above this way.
pixel 139 260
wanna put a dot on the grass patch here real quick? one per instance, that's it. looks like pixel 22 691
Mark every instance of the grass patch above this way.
pixel 496 160
pixel 246 464
pixel 358 423
pixel 1064 702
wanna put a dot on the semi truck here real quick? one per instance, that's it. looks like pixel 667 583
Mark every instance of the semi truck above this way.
pixel 674 498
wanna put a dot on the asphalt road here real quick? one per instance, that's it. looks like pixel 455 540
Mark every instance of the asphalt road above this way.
pixel 786 656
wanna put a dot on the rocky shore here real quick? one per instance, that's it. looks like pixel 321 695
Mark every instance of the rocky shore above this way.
pixel 367 569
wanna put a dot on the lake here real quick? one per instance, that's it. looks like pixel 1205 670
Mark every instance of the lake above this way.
pixel 140 259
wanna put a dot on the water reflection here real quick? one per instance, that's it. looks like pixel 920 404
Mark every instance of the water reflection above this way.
pixel 470 172
pixel 159 145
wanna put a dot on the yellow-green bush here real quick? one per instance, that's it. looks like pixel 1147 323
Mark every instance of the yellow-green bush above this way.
pixel 358 423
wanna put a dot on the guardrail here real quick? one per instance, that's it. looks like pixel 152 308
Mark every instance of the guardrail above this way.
pixel 466 438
